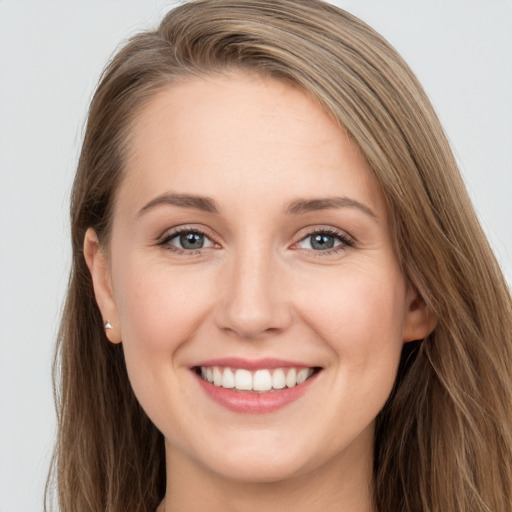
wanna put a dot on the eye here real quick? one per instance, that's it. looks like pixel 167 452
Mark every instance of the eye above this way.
pixel 187 240
pixel 325 240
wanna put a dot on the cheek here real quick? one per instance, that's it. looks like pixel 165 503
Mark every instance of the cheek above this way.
pixel 368 306
pixel 160 307
pixel 360 316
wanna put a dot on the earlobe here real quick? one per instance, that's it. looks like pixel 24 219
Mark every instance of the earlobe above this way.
pixel 97 262
pixel 420 320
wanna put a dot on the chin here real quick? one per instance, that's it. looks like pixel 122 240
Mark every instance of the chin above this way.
pixel 263 462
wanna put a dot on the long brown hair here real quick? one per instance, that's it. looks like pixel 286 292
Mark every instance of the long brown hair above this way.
pixel 444 440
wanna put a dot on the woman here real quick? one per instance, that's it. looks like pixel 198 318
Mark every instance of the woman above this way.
pixel 281 296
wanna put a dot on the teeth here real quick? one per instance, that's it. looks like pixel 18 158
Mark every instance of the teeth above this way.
pixel 291 378
pixel 278 379
pixel 302 375
pixel 217 377
pixel 260 380
pixel 228 379
pixel 243 380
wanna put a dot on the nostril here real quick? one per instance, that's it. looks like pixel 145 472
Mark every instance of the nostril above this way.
pixel 252 333
pixel 252 305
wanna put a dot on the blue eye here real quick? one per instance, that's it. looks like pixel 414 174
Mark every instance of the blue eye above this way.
pixel 324 241
pixel 188 240
pixel 191 240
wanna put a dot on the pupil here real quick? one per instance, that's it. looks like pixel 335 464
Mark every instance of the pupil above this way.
pixel 192 240
pixel 322 242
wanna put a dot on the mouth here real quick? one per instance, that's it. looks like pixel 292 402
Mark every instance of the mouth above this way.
pixel 254 387
pixel 263 380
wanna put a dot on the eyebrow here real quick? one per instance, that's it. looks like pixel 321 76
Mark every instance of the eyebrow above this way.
pixel 301 206
pixel 297 207
pixel 204 204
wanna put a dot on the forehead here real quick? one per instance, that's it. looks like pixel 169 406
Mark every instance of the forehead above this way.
pixel 241 136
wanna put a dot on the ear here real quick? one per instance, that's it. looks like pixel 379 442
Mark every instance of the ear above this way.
pixel 420 321
pixel 97 262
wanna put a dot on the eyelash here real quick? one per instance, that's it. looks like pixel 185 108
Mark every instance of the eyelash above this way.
pixel 346 241
pixel 164 242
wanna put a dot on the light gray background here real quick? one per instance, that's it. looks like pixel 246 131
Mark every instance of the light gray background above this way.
pixel 51 54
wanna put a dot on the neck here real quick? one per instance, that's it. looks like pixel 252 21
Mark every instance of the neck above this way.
pixel 336 485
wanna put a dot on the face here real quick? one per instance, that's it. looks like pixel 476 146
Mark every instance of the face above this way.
pixel 252 280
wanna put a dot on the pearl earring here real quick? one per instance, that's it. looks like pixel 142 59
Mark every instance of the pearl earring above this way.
pixel 107 325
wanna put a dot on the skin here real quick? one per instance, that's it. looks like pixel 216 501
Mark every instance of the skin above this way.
pixel 256 289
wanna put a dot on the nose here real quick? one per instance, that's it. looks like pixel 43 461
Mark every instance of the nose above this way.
pixel 253 302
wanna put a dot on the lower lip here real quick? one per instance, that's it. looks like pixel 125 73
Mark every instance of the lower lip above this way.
pixel 255 403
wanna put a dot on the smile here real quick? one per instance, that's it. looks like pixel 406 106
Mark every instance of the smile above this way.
pixel 257 386
pixel 258 381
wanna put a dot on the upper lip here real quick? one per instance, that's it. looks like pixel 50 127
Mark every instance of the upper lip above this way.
pixel 253 364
